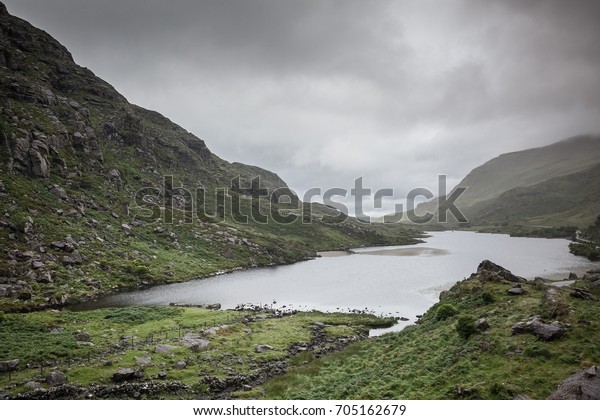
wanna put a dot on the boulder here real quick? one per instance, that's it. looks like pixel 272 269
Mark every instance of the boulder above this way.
pixel 83 336
pixel 516 291
pixel 73 258
pixel 56 378
pixel 180 365
pixel 595 285
pixel 536 326
pixel 487 271
pixel 573 276
pixel 194 342
pixel 482 324
pixel 164 348
pixel 125 374
pixel 261 348
pixel 143 361
pixel 32 385
pixel 8 365
pixel 582 294
pixel 583 385
pixel 59 192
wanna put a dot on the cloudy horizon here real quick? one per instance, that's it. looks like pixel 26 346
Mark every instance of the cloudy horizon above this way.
pixel 324 92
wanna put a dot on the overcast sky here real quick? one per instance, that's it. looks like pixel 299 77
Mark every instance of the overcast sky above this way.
pixel 323 92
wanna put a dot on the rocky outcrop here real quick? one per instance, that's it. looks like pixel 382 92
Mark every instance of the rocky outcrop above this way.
pixel 487 271
pixel 536 326
pixel 580 386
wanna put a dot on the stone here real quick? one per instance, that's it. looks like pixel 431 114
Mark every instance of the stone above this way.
pixel 143 361
pixel 113 174
pixel 37 264
pixel 8 365
pixel 516 291
pixel 180 365
pixel 32 385
pixel 39 164
pixel 582 294
pixel 73 258
pixel 126 228
pixel 583 385
pixel 536 326
pixel 194 342
pixel 162 375
pixel 164 348
pixel 59 192
pixel 573 276
pixel 261 348
pixel 56 331
pixel 83 336
pixel 56 378
pixel 595 285
pixel 487 271
pixel 482 324
pixel 319 324
pixel 124 374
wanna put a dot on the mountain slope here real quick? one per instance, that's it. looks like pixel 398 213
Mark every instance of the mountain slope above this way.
pixel 97 194
pixel 553 185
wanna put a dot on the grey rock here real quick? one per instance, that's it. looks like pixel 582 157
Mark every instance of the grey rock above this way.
pixel 516 291
pixel 194 342
pixel 536 326
pixel 580 386
pixel 595 285
pixel 164 348
pixel 162 375
pixel 319 324
pixel 180 365
pixel 37 264
pixel 487 271
pixel 573 276
pixel 482 324
pixel 73 258
pixel 261 348
pixel 59 192
pixel 143 361
pixel 56 378
pixel 8 365
pixel 125 374
pixel 582 294
pixel 113 174
pixel 56 331
pixel 32 385
pixel 83 336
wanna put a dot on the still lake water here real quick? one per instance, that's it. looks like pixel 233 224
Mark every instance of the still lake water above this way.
pixel 400 281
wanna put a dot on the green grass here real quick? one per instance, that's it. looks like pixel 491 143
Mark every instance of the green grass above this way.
pixel 121 334
pixel 442 355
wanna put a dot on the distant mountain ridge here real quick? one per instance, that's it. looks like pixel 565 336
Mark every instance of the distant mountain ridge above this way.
pixel 553 185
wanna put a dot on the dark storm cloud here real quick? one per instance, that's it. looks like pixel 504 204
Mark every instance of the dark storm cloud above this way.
pixel 326 91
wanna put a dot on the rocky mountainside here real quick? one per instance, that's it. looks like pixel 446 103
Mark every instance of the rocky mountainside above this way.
pixel 85 187
pixel 555 185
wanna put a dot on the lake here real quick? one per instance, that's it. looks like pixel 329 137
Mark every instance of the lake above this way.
pixel 399 281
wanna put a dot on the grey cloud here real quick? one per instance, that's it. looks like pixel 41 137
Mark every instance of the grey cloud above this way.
pixel 326 91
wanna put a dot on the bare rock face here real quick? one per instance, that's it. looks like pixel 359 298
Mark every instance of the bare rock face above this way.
pixel 580 386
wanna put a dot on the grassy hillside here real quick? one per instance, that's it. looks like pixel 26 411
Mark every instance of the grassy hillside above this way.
pixel 446 356
pixel 554 186
pixel 568 200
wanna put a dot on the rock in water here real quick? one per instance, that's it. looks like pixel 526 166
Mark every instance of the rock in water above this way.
pixel 580 386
